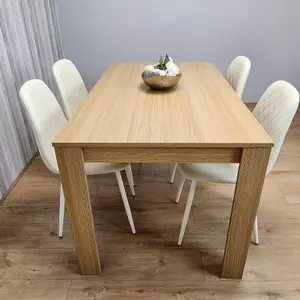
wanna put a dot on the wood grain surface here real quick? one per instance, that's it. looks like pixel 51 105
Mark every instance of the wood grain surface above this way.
pixel 142 154
pixel 201 111
pixel 74 182
pixel 250 181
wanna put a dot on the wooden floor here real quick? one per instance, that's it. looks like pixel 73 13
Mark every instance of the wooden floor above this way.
pixel 36 264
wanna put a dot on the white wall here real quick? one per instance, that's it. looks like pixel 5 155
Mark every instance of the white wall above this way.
pixel 98 32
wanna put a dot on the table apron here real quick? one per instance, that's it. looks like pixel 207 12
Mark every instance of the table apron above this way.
pixel 179 155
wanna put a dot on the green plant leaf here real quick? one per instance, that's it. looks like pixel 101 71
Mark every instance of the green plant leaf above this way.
pixel 167 59
pixel 161 61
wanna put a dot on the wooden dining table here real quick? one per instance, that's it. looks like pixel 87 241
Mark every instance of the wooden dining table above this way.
pixel 202 119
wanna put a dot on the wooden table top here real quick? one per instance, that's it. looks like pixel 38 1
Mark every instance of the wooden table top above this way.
pixel 201 111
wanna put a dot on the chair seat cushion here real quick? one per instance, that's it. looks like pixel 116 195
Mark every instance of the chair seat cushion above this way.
pixel 103 168
pixel 210 172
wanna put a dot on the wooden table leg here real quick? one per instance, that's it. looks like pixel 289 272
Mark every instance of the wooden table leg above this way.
pixel 248 189
pixel 74 182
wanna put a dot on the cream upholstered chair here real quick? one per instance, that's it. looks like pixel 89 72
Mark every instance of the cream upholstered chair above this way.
pixel 237 75
pixel 47 119
pixel 70 84
pixel 274 111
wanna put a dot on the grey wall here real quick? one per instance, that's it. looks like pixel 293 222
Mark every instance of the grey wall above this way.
pixel 98 32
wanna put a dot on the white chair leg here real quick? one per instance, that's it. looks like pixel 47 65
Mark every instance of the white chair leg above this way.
pixel 173 173
pixel 255 231
pixel 181 184
pixel 187 211
pixel 129 175
pixel 125 201
pixel 61 214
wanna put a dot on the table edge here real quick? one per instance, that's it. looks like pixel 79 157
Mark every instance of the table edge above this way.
pixel 162 145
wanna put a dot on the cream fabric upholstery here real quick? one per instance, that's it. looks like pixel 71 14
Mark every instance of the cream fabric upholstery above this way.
pixel 46 118
pixel 210 172
pixel 237 74
pixel 70 84
pixel 47 121
pixel 275 112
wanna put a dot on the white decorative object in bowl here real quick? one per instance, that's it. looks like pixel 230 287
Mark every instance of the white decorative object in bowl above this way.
pixel 163 75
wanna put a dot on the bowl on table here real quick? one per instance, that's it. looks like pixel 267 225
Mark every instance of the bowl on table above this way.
pixel 163 75
pixel 162 82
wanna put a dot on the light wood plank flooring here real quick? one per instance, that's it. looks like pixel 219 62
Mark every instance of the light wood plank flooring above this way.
pixel 36 264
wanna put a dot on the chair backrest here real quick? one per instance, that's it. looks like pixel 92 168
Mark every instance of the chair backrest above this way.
pixel 237 74
pixel 46 117
pixel 70 84
pixel 275 112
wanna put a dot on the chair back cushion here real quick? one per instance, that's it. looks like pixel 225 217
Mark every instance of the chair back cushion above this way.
pixel 237 74
pixel 70 84
pixel 275 112
pixel 46 117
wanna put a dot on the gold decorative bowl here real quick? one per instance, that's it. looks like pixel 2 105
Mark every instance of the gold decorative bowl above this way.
pixel 161 82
